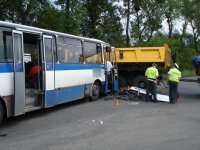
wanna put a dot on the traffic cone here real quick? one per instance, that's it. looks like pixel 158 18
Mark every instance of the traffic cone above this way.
pixel 117 102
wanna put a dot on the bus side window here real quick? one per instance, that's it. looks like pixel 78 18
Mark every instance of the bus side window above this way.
pixel 66 51
pixel 6 53
pixel 62 55
pixel 92 53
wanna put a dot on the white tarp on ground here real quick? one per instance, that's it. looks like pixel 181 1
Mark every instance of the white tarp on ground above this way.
pixel 160 97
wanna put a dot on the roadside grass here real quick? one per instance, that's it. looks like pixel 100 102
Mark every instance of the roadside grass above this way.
pixel 184 74
pixel 188 73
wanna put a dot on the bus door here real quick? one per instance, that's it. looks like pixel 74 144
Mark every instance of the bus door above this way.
pixel 48 70
pixel 112 76
pixel 115 70
pixel 19 74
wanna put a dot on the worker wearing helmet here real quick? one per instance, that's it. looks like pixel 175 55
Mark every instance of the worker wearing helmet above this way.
pixel 174 76
pixel 151 74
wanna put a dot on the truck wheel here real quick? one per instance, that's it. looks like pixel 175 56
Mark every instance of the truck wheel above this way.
pixel 122 82
pixel 1 113
pixel 141 82
pixel 95 91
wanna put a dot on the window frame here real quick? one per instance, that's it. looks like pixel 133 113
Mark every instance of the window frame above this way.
pixel 98 44
pixel 8 57
pixel 66 46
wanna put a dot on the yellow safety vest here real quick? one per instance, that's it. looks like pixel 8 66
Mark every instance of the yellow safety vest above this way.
pixel 174 75
pixel 152 73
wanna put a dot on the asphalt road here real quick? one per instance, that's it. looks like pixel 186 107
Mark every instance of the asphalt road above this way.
pixel 100 125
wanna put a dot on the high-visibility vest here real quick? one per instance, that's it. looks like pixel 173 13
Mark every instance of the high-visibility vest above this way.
pixel 151 73
pixel 174 75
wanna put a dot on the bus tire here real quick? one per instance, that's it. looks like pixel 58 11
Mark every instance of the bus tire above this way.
pixel 1 113
pixel 122 82
pixel 96 90
pixel 141 82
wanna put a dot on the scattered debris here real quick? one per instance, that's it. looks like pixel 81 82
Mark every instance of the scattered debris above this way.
pixel 138 94
pixel 101 122
pixel 124 94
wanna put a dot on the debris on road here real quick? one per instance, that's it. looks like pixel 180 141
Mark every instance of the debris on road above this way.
pixel 138 94
pixel 124 94
pixel 160 97
pixel 101 122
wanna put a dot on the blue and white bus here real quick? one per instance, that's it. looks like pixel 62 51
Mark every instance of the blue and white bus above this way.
pixel 41 68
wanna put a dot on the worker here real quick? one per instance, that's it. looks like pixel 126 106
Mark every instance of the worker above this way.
pixel 152 75
pixel 174 76
pixel 109 69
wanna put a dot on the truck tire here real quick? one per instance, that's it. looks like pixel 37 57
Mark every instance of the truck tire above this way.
pixel 141 82
pixel 122 82
pixel 1 113
pixel 96 90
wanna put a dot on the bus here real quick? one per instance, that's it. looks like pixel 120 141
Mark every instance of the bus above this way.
pixel 40 68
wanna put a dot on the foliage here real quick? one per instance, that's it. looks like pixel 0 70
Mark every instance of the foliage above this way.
pixel 121 23
pixel 188 73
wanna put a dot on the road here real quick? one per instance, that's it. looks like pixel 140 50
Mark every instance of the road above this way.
pixel 100 125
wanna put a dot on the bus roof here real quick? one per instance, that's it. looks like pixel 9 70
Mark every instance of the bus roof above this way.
pixel 40 30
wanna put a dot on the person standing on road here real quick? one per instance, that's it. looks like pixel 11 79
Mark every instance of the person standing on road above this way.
pixel 109 68
pixel 151 74
pixel 174 76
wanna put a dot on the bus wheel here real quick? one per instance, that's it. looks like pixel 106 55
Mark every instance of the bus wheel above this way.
pixel 95 91
pixel 1 113
pixel 140 82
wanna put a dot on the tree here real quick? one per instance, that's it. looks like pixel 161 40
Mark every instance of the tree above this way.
pixel 191 13
pixel 147 20
pixel 4 9
pixel 93 12
pixel 110 27
pixel 26 11
pixel 50 18
pixel 72 12
pixel 172 13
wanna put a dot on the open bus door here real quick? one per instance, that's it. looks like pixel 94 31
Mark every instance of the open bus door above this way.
pixel 19 73
pixel 48 70
pixel 112 77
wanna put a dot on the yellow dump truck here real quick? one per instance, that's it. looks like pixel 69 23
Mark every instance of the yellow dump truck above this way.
pixel 132 63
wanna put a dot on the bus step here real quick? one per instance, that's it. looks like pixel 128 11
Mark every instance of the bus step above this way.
pixel 32 108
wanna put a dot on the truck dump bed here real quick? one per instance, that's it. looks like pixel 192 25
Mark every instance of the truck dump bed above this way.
pixel 132 63
pixel 144 55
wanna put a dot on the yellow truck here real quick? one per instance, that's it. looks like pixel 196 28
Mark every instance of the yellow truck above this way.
pixel 132 63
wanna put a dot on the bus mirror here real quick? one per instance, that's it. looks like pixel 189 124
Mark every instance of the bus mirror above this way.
pixel 108 49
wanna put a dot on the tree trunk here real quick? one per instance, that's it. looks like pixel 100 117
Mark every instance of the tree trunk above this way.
pixel 127 25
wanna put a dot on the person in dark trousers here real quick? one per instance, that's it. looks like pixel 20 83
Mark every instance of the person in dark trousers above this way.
pixel 151 74
pixel 109 69
pixel 174 76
